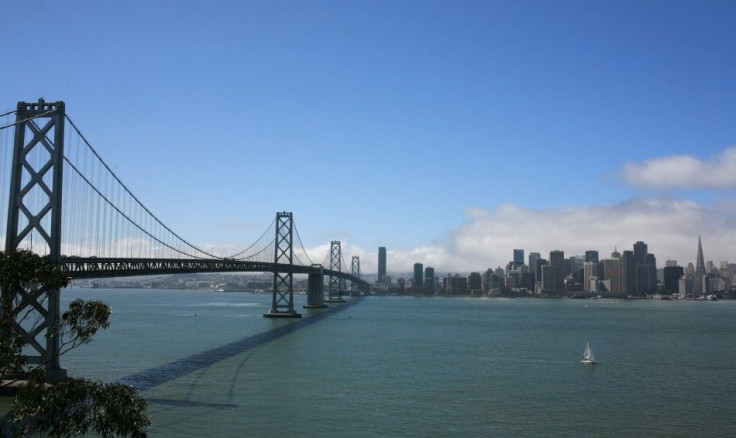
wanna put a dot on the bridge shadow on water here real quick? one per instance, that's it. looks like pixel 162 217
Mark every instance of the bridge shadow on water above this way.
pixel 167 372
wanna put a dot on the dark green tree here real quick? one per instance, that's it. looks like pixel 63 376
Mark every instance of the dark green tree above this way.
pixel 72 406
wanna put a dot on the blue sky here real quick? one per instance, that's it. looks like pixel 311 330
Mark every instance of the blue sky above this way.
pixel 450 132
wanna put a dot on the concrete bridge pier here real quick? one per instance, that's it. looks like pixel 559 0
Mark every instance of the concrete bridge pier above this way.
pixel 315 291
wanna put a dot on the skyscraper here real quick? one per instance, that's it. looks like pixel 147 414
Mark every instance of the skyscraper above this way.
pixel 429 279
pixel 533 258
pixel 628 273
pixel 672 275
pixel 590 270
pixel 640 252
pixel 418 275
pixel 591 256
pixel 557 259
pixel 381 264
pixel 613 273
pixel 518 257
pixel 699 270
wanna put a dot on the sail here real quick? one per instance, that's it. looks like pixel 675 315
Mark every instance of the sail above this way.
pixel 588 354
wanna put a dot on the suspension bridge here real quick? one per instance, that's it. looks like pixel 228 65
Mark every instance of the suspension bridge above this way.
pixel 65 203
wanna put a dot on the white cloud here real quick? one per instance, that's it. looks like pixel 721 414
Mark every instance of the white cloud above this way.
pixel 487 238
pixel 684 171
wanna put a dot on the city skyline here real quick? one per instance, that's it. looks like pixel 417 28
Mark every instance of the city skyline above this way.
pixel 457 131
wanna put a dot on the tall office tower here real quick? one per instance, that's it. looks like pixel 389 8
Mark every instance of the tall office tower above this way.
pixel 670 263
pixel 474 281
pixel 615 254
pixel 641 285
pixel 591 256
pixel 418 275
pixel 487 280
pixel 557 259
pixel 538 273
pixel 672 274
pixel 590 270
pixel 548 278
pixel 613 274
pixel 699 270
pixel 429 279
pixel 628 273
pixel 518 257
pixel 651 267
pixel 381 264
pixel 533 257
pixel 640 252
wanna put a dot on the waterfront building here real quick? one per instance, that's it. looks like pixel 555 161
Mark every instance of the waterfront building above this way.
pixel 418 275
pixel 475 281
pixel 687 286
pixel 672 275
pixel 454 284
pixel 381 264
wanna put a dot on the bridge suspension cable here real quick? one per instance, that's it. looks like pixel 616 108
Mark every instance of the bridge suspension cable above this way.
pixel 304 251
pixel 125 221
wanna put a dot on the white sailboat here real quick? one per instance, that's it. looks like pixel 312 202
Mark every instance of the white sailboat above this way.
pixel 588 357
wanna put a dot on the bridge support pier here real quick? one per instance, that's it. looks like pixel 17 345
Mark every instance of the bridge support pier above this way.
pixel 316 291
pixel 282 304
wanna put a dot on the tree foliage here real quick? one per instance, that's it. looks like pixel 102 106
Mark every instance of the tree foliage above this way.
pixel 72 406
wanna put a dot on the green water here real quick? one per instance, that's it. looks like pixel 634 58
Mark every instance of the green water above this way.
pixel 401 366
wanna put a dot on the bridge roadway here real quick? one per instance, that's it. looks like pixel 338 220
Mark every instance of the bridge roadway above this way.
pixel 97 267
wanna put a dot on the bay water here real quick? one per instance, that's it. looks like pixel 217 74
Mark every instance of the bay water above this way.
pixel 428 366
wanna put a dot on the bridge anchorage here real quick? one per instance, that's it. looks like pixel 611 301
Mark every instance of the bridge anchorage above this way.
pixel 336 284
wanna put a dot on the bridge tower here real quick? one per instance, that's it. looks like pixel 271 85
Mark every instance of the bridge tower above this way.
pixel 334 292
pixel 35 209
pixel 282 303
pixel 355 270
